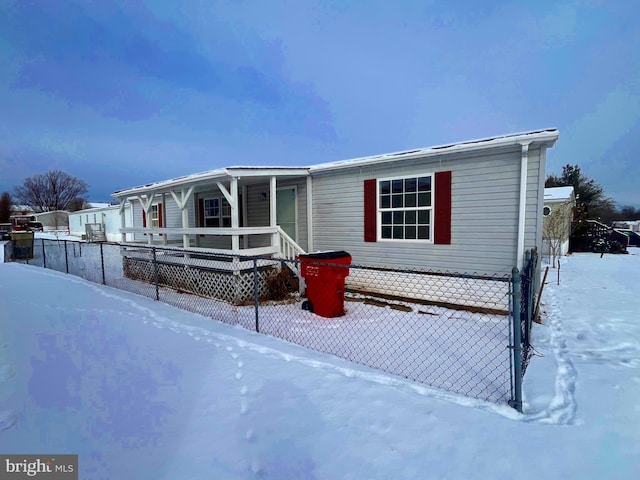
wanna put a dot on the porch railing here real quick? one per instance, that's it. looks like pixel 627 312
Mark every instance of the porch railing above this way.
pixel 281 244
pixel 289 249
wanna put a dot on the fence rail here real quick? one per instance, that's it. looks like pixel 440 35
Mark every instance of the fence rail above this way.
pixel 448 330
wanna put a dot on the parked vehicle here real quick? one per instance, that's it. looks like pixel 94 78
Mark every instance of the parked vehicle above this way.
pixel 34 227
pixel 24 223
pixel 5 231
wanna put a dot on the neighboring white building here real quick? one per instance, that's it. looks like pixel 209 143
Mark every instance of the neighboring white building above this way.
pixel 108 217
pixel 555 198
pixel 633 225
pixel 56 220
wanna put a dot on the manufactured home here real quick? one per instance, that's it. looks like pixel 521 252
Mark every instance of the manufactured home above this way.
pixel 56 220
pixel 101 223
pixel 469 207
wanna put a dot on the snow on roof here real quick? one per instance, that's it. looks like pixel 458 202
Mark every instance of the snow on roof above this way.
pixel 558 194
pixel 220 172
pixel 98 205
pixel 21 208
pixel 107 206
pixel 549 135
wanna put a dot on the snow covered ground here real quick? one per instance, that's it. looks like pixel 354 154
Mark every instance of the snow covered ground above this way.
pixel 142 390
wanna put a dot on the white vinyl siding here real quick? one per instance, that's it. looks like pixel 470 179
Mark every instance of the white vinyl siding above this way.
pixel 484 212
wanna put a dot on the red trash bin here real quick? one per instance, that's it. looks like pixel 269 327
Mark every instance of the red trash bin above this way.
pixel 324 275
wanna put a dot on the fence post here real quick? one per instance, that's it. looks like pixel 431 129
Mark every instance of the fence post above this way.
pixel 44 255
pixel 516 402
pixel 102 263
pixel 66 257
pixel 155 272
pixel 533 286
pixel 255 291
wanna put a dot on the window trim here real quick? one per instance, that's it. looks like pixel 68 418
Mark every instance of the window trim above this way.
pixel 430 208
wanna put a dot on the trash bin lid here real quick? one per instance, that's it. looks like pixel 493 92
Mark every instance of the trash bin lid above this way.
pixel 325 255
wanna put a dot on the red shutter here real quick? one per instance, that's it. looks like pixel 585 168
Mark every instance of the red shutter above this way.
pixel 144 218
pixel 370 211
pixel 160 222
pixel 442 220
pixel 201 212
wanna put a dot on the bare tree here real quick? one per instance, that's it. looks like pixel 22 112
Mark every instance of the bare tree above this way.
pixel 556 228
pixel 53 190
pixel 78 204
pixel 5 207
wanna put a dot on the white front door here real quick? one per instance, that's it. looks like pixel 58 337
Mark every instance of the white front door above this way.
pixel 287 211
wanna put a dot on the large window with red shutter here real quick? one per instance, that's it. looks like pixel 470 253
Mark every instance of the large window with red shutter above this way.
pixel 405 208
pixel 413 208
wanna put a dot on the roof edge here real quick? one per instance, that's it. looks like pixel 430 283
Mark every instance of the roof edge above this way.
pixel 548 136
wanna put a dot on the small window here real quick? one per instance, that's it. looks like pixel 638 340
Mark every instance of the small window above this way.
pixel 546 211
pixel 217 212
pixel 155 219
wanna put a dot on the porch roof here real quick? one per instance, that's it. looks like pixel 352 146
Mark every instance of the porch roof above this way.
pixel 213 175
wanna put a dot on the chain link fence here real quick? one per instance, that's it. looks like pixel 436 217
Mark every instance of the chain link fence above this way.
pixel 448 330
pixel 529 274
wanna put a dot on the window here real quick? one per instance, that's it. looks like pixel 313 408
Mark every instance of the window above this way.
pixel 405 208
pixel 546 211
pixel 155 217
pixel 217 212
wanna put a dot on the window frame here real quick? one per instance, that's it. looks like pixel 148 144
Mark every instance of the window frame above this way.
pixel 430 209
pixel 223 206
pixel 154 216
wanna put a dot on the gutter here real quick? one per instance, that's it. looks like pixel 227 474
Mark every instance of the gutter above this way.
pixel 524 164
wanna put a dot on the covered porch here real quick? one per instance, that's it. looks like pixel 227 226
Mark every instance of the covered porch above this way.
pixel 239 211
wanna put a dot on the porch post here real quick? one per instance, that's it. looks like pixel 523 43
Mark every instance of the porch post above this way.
pixel 235 214
pixel 162 220
pixel 185 215
pixel 273 222
pixel 245 238
pixel 146 206
pixel 181 201
pixel 309 214
pixel 123 223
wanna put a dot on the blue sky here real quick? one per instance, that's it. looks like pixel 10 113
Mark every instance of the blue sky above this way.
pixel 124 93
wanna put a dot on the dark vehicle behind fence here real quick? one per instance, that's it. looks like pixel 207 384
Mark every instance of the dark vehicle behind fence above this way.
pixel 5 231
pixel 35 226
